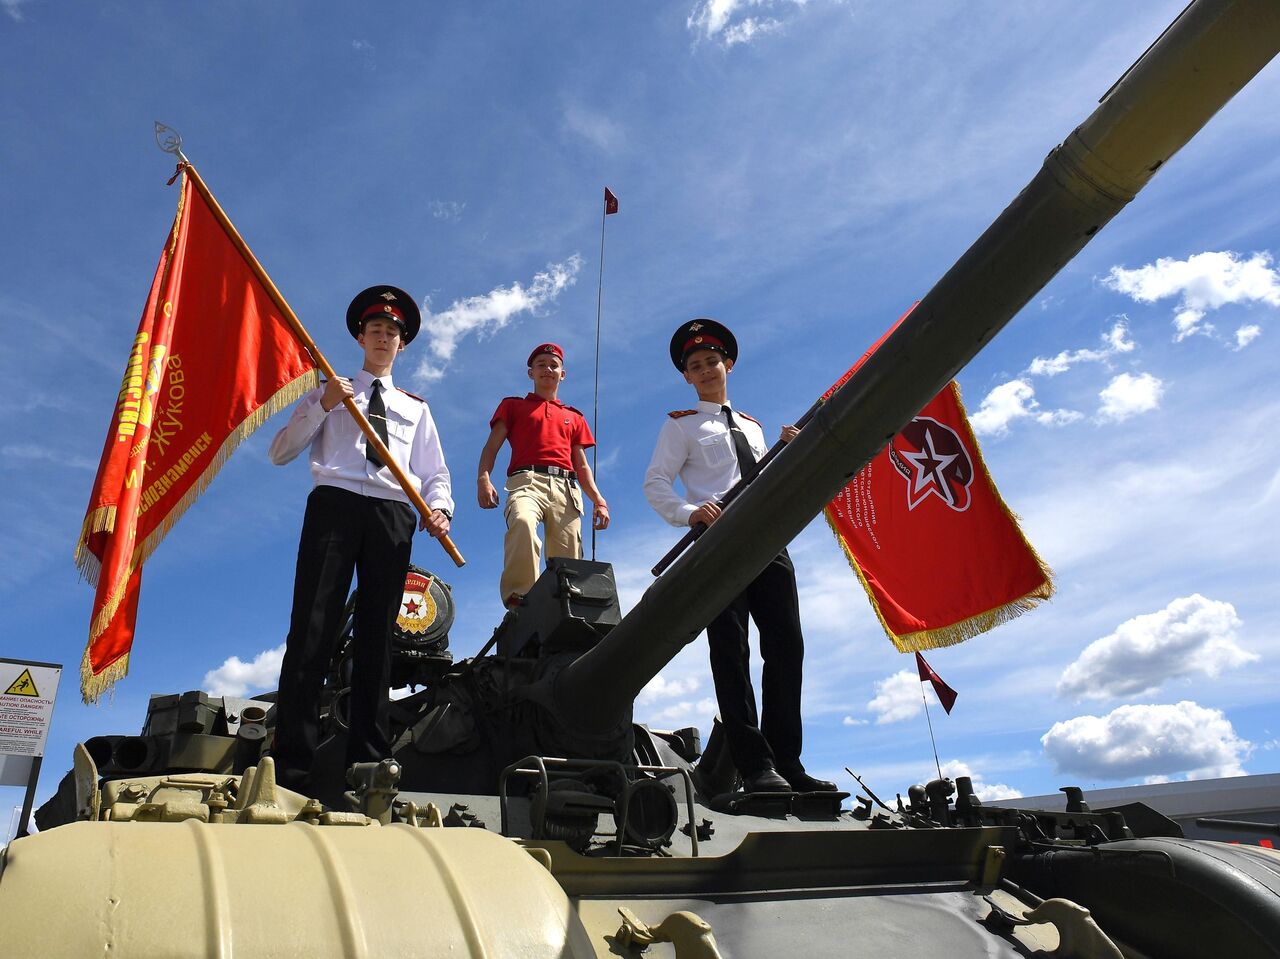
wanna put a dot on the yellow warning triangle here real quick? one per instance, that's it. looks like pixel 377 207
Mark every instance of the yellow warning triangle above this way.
pixel 24 685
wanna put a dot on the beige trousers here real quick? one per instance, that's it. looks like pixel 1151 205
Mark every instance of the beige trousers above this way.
pixel 532 499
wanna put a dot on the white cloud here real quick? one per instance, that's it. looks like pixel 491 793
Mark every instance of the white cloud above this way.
pixel 898 697
pixel 1128 395
pixel 1246 335
pixel 484 315
pixel 1148 741
pixel 446 209
pixel 1115 340
pixel 598 129
pixel 987 792
pixel 725 20
pixel 33 451
pixel 660 687
pixel 237 678
pixel 1011 401
pixel 14 9
pixel 1203 282
pixel 362 46
pixel 1191 635
pixel 850 721
pixel 683 713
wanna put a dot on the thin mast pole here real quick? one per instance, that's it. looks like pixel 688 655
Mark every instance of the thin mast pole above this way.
pixel 925 700
pixel 595 412
pixel 415 496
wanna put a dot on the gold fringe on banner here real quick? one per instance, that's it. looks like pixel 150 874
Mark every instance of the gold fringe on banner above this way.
pixel 100 520
pixel 93 685
pixel 944 635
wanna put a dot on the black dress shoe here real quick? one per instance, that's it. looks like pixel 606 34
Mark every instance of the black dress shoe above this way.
pixel 804 783
pixel 766 780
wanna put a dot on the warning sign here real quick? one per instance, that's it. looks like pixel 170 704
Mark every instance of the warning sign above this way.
pixel 24 685
pixel 26 706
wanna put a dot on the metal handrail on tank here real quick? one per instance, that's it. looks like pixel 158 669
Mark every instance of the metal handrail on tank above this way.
pixel 1205 57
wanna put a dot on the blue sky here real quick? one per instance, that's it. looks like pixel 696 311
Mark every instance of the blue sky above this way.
pixel 801 171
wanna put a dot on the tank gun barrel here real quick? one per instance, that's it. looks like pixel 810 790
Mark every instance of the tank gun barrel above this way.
pixel 1203 59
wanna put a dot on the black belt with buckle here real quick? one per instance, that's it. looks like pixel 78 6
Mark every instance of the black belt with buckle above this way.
pixel 549 471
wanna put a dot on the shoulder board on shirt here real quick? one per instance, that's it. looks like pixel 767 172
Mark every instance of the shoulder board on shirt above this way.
pixel 573 409
pixel 505 398
pixel 748 416
pixel 415 396
pixel 677 414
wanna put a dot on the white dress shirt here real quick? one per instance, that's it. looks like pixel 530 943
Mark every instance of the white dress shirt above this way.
pixel 698 449
pixel 338 446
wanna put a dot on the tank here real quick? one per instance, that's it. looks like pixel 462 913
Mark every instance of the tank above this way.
pixel 524 813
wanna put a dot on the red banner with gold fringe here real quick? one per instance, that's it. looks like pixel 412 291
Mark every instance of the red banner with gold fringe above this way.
pixel 941 556
pixel 212 359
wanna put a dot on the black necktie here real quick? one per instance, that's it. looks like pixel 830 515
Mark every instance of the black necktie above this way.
pixel 741 448
pixel 378 419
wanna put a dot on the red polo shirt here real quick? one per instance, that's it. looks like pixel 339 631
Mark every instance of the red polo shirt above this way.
pixel 542 432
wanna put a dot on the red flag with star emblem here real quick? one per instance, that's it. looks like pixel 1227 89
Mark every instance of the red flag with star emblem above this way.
pixel 212 359
pixel 941 556
pixel 610 202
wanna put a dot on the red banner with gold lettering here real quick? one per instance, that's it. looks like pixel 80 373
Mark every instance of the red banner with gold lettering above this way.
pixel 212 359
pixel 941 556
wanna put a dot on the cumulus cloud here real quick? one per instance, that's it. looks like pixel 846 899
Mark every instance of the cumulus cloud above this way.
pixel 686 712
pixel 1202 282
pixel 1115 341
pixel 898 697
pixel 1128 395
pixel 660 687
pixel 1012 401
pixel 987 792
pixel 238 678
pixel 731 23
pixel 485 314
pixel 1182 739
pixel 1192 635
pixel 1246 335
pixel 850 721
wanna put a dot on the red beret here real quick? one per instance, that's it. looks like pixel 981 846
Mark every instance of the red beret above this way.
pixel 541 348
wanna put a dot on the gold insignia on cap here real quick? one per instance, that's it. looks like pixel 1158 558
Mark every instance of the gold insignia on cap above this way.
pixel 388 296
pixel 697 339
pixel 387 308
pixel 694 327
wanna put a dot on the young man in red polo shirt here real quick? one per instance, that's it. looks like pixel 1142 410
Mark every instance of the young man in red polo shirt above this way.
pixel 548 460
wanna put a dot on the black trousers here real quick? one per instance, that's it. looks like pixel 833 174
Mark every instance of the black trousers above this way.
pixel 771 600
pixel 342 533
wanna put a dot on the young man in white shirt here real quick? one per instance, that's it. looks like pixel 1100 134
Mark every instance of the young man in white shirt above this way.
pixel 708 448
pixel 358 520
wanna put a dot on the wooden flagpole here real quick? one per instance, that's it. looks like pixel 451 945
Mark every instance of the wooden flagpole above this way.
pixel 415 496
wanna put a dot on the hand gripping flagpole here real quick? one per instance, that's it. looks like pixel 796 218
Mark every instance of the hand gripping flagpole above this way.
pixel 170 141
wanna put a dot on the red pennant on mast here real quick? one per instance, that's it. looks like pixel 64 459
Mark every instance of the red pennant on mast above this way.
pixel 610 202
pixel 212 359
pixel 946 695
pixel 941 556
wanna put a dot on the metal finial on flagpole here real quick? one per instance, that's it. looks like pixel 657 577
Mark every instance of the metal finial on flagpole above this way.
pixel 170 141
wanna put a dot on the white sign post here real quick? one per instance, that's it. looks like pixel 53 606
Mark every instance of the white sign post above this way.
pixel 27 694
